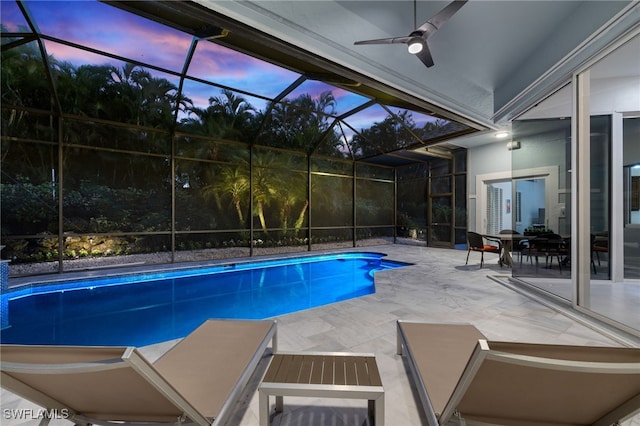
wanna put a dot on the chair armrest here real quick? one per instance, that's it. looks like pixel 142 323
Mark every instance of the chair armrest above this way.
pixel 494 240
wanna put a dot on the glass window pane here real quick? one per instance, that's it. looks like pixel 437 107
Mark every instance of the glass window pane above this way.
pixel 326 239
pixel 216 112
pixel 440 235
pixel 213 149
pixel 98 86
pixel 24 79
pixel 441 128
pixel 440 167
pixel 547 145
pixel 374 236
pixel 386 134
pixel 461 200
pixel 218 64
pixel 99 135
pixel 412 203
pixel 460 161
pixel 601 191
pixel 331 201
pixel 320 165
pixel 12 19
pixel 108 250
pixel 372 206
pixel 370 127
pixel 614 153
pixel 541 191
pixel 441 185
pixel 441 210
pixel 280 193
pixel 374 172
pixel 112 30
pixel 416 127
pixel 300 125
pixel 269 244
pixel 211 246
pixel 29 196
pixel 211 195
pixel 337 145
pixel 631 232
pixel 28 125
pixel 29 187
pixel 342 100
pixel 107 191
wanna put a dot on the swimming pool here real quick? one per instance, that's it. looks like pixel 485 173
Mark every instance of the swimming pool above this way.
pixel 141 309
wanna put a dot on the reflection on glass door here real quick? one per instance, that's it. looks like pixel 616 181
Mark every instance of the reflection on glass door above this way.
pixel 523 210
pixel 531 209
pixel 600 195
pixel 612 289
pixel 631 197
pixel 541 189
pixel 496 211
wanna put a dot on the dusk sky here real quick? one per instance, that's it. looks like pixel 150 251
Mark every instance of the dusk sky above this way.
pixel 111 30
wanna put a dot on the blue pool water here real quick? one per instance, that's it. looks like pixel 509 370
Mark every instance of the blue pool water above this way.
pixel 138 310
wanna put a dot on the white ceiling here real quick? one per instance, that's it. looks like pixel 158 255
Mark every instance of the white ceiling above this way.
pixel 492 58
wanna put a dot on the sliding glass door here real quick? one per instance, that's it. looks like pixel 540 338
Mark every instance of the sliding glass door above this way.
pixel 631 196
pixel 612 290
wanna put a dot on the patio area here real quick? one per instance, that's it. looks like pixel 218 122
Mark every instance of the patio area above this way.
pixel 438 287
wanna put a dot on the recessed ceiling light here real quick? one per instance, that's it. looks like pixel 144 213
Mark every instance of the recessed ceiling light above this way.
pixel 501 135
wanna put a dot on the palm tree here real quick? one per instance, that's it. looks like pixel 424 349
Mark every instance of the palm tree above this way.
pixel 235 113
pixel 141 98
pixel 265 185
pixel 299 123
pixel 227 117
pixel 234 183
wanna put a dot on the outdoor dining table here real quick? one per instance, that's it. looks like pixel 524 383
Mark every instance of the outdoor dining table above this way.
pixel 506 241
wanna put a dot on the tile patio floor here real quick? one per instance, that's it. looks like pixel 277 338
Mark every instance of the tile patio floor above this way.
pixel 438 287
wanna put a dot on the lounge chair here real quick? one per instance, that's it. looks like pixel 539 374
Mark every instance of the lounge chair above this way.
pixel 197 381
pixel 461 377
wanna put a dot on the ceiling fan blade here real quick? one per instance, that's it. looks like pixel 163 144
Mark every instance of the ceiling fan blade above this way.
pixel 420 35
pixel 391 40
pixel 425 56
pixel 436 21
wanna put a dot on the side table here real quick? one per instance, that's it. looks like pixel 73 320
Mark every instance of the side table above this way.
pixel 325 375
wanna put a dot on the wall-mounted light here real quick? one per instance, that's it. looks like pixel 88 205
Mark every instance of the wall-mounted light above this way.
pixel 513 145
pixel 502 135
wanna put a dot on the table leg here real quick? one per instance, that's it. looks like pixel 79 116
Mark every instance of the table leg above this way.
pixel 279 404
pixel 263 403
pixel 506 253
pixel 379 411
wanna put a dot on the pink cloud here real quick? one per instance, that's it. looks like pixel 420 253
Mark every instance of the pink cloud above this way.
pixel 12 18
pixel 75 56
pixel 111 30
pixel 218 64
pixel 365 119
pixel 200 93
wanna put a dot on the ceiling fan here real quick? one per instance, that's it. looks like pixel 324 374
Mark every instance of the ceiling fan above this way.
pixel 417 40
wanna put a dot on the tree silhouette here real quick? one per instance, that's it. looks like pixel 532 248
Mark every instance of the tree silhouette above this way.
pixel 227 117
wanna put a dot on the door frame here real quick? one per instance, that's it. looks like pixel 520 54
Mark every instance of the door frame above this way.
pixel 548 173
